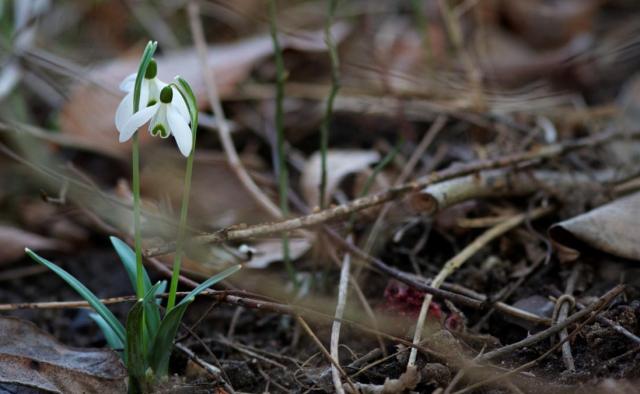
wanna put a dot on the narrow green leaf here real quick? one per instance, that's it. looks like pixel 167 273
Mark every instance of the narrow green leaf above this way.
pixel 160 351
pixel 210 282
pixel 149 50
pixel 152 311
pixel 136 359
pixel 85 293
pixel 112 338
pixel 161 289
pixel 128 258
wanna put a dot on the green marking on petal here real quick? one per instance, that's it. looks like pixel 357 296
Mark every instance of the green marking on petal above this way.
pixel 151 102
pixel 166 94
pixel 152 70
pixel 158 130
pixel 164 133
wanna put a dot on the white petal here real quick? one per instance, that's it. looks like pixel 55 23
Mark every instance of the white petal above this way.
pixel 155 87
pixel 124 111
pixel 180 130
pixel 179 104
pixel 136 120
pixel 128 83
pixel 144 94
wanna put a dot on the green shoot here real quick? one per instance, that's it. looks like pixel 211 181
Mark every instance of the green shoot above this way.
pixel 283 174
pixel 335 86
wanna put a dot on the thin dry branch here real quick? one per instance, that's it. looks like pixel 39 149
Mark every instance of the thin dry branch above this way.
pixel 504 182
pixel 553 330
pixel 334 362
pixel 341 302
pixel 592 310
pixel 456 262
pixel 469 300
pixel 241 232
pixel 224 133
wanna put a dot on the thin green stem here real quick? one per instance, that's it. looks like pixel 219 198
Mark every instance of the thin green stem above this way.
pixel 382 164
pixel 335 87
pixel 283 174
pixel 135 158
pixel 187 93
pixel 184 210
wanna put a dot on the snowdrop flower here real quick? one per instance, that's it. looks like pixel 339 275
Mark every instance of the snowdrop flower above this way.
pixel 126 121
pixel 160 103
pixel 172 118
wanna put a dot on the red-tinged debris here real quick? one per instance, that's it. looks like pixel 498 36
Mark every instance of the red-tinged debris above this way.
pixel 407 301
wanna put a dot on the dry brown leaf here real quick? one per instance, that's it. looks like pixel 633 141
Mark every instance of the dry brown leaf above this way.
pixel 13 241
pixel 550 23
pixel 218 199
pixel 510 61
pixel 340 163
pixel 89 113
pixel 29 357
pixel 611 228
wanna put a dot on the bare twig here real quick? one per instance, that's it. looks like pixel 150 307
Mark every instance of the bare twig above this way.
pixel 426 141
pixel 245 232
pixel 563 305
pixel 323 350
pixel 535 338
pixel 501 183
pixel 592 310
pixel 469 300
pixel 197 32
pixel 603 320
pixel 335 328
pixel 456 262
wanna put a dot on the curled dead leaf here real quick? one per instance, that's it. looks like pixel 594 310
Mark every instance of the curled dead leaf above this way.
pixel 340 163
pixel 611 228
pixel 29 357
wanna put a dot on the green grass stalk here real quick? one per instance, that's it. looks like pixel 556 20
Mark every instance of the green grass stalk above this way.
pixel 335 87
pixel 283 174
pixel 382 164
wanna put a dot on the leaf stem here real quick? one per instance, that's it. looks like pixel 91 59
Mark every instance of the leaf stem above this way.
pixel 135 158
pixel 184 210
pixel 187 94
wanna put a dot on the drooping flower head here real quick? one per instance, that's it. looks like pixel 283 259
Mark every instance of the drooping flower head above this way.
pixel 172 118
pixel 159 102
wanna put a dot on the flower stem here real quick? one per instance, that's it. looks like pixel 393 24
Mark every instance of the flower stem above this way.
pixel 184 210
pixel 136 215
pixel 186 92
